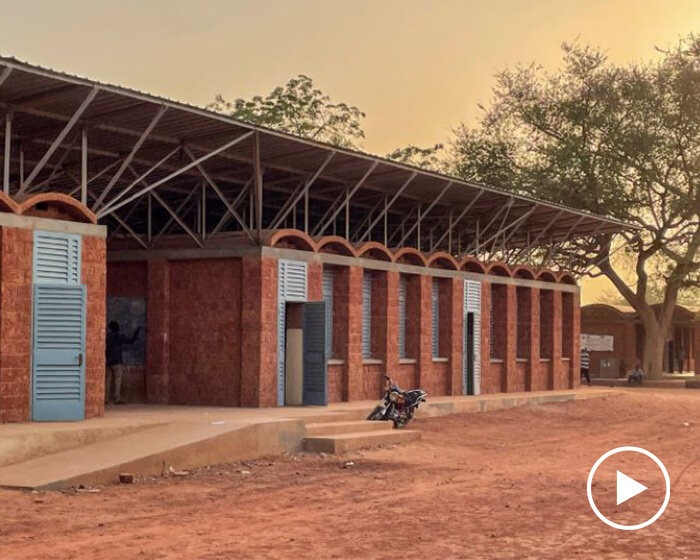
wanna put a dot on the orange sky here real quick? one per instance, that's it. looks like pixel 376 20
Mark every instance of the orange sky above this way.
pixel 416 67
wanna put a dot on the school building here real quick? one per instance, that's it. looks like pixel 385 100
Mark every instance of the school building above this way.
pixel 263 269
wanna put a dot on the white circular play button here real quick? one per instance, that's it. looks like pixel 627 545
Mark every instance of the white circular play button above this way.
pixel 627 488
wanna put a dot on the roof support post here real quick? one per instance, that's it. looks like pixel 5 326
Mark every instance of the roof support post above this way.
pixel 541 233
pixel 149 218
pixel 258 183
pixel 427 210
pixel 177 218
pixel 459 217
pixel 8 152
pixel 368 218
pixel 205 157
pixel 326 221
pixel 296 196
pixel 231 209
pixel 386 218
pixel 127 160
pixel 226 218
pixel 180 208
pixel 83 166
pixel 57 142
pixel 502 230
pixel 477 243
pixel 5 74
pixel 396 195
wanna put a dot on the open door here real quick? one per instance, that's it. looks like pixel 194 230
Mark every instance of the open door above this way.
pixel 315 370
pixel 469 357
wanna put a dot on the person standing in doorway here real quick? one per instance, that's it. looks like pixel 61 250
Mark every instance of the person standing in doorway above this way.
pixel 115 361
pixel 585 364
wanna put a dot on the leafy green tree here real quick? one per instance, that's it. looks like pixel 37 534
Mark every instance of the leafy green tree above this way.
pixel 299 108
pixel 431 158
pixel 617 140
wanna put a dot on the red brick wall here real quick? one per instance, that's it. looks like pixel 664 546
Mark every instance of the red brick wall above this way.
pixel 205 332
pixel 15 323
pixel 158 327
pixel 372 381
pixel 94 276
pixel 335 382
pixel 259 332
pixel 127 279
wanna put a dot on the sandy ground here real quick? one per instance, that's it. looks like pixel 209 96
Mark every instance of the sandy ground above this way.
pixel 509 484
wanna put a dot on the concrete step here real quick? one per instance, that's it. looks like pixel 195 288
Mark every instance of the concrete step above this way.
pixel 340 443
pixel 354 426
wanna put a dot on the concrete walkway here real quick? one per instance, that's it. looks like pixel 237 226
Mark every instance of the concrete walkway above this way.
pixel 150 439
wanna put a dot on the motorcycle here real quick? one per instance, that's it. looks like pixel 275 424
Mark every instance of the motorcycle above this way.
pixel 398 405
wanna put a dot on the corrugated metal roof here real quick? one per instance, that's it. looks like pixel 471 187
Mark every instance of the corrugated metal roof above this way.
pixel 43 100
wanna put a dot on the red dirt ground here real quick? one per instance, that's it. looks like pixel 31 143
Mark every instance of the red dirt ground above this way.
pixel 509 484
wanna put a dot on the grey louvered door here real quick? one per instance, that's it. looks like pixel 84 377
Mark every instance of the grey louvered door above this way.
pixel 315 372
pixel 291 286
pixel 58 340
pixel 472 348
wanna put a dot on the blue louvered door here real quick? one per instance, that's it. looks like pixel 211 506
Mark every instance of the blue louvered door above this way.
pixel 58 341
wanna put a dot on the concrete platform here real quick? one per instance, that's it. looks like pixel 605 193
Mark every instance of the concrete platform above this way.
pixel 342 443
pixel 666 383
pixel 145 439
pixel 331 428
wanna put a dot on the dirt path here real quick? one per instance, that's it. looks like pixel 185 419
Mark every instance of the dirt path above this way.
pixel 508 484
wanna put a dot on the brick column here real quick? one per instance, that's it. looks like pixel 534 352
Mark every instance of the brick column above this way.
pixel 94 276
pixel 488 384
pixel 557 365
pixel 575 379
pixel 259 332
pixel 15 323
pixel 535 382
pixel 352 349
pixel 389 350
pixel 315 281
pixel 510 371
pixel 424 357
pixel 158 324
pixel 455 334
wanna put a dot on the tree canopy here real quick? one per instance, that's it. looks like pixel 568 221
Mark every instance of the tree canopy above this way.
pixel 299 108
pixel 616 140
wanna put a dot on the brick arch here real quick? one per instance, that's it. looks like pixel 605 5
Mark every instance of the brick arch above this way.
pixel 498 269
pixel 65 204
pixel 7 204
pixel 291 239
pixel 443 260
pixel 335 244
pixel 409 255
pixel 374 250
pixel 523 271
pixel 567 278
pixel 547 275
pixel 471 264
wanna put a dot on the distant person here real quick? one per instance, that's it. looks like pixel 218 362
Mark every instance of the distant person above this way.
pixel 115 361
pixel 585 364
pixel 681 359
pixel 635 376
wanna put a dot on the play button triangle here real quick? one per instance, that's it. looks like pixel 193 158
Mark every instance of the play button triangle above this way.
pixel 627 488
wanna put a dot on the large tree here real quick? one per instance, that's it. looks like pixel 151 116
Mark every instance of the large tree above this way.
pixel 300 108
pixel 617 140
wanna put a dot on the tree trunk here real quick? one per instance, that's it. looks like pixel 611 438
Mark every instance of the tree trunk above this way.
pixel 653 351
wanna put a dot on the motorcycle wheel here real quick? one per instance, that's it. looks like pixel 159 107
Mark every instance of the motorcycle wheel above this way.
pixel 376 414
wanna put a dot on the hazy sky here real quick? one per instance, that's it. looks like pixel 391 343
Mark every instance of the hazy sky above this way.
pixel 416 67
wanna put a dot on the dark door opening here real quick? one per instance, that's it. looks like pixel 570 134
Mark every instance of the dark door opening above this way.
pixel 469 352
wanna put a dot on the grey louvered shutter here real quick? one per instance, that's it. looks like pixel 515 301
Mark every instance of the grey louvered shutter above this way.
pixel 328 298
pixel 367 315
pixel 435 313
pixel 56 258
pixel 472 304
pixel 315 381
pixel 402 316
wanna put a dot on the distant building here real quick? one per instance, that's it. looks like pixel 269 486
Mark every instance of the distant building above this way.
pixel 617 339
